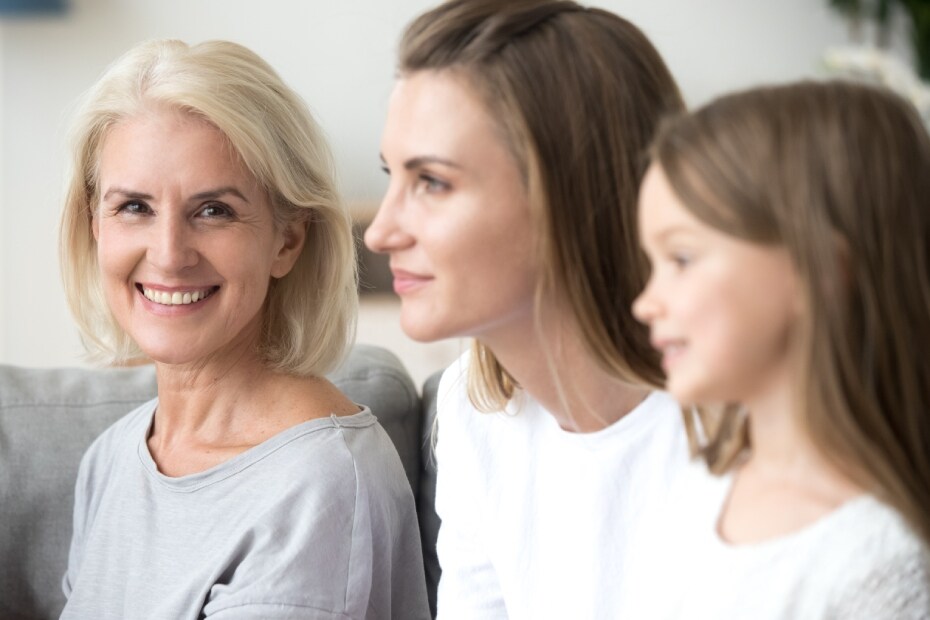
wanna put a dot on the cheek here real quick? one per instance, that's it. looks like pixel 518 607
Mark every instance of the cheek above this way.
pixel 111 253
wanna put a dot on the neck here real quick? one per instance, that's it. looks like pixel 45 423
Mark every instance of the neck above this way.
pixel 782 448
pixel 207 396
pixel 553 366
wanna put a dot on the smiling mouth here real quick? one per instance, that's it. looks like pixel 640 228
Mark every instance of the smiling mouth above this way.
pixel 176 298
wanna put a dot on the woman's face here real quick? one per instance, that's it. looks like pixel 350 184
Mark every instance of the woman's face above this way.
pixel 186 242
pixel 455 219
pixel 720 310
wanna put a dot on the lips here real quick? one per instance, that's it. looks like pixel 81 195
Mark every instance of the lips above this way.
pixel 671 350
pixel 408 281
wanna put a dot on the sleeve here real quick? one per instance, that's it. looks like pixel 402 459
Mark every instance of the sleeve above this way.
pixel 469 586
pixel 898 589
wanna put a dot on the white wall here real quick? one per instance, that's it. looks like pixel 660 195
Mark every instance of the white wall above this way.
pixel 339 56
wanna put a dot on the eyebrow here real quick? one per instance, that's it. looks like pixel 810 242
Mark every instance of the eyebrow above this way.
pixel 212 194
pixel 418 162
pixel 672 231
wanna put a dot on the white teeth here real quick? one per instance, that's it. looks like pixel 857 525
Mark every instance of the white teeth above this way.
pixel 176 298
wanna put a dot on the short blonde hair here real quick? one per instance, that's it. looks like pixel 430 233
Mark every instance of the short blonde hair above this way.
pixel 309 314
pixel 579 138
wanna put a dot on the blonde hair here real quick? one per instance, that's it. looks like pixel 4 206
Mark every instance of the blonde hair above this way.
pixel 309 315
pixel 837 174
pixel 577 94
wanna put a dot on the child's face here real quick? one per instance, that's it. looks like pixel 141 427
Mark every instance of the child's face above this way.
pixel 720 310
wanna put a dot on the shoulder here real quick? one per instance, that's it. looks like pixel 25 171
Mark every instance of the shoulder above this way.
pixel 886 564
pixel 453 386
pixel 456 416
pixel 365 443
pixel 341 452
pixel 658 413
pixel 347 465
pixel 120 438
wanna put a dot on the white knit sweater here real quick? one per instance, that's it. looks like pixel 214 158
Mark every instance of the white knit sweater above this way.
pixel 859 561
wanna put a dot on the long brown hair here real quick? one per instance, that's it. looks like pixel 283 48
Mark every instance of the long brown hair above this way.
pixel 578 94
pixel 839 175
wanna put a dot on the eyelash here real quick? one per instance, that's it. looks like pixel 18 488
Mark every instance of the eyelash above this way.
pixel 431 184
pixel 427 182
pixel 680 260
pixel 227 211
pixel 126 207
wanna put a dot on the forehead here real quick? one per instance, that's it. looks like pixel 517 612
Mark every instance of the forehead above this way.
pixel 437 106
pixel 167 141
pixel 659 207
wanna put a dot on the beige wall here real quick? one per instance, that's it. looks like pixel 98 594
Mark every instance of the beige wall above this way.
pixel 339 55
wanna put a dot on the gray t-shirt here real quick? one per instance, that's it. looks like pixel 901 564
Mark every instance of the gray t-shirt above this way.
pixel 317 522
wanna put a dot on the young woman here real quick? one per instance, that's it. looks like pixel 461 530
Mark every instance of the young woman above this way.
pixel 789 237
pixel 202 231
pixel 514 144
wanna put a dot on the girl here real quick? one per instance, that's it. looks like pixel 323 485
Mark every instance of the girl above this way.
pixel 787 229
pixel 513 142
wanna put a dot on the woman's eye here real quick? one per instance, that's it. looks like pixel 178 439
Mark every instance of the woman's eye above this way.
pixel 215 210
pixel 430 184
pixel 134 207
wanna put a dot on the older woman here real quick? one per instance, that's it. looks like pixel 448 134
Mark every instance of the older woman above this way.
pixel 202 231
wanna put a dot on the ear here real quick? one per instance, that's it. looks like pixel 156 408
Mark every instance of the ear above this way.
pixel 293 237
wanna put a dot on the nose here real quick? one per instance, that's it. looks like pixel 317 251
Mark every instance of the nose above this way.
pixel 171 245
pixel 388 231
pixel 646 306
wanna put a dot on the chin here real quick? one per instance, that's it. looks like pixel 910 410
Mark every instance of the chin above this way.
pixel 419 334
pixel 684 392
pixel 170 355
pixel 422 329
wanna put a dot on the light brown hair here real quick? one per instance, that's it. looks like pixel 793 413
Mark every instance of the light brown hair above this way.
pixel 309 315
pixel 839 175
pixel 577 94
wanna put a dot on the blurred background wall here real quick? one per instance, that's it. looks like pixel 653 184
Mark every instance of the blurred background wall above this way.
pixel 339 56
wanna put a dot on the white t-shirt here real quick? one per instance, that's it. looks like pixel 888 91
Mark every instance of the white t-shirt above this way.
pixel 859 561
pixel 536 521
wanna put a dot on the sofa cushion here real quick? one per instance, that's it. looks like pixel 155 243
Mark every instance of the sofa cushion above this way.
pixel 48 418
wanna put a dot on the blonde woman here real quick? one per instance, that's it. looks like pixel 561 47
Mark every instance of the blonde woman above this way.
pixel 202 231
pixel 514 144
pixel 790 245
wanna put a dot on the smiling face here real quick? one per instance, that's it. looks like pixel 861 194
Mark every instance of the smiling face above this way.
pixel 455 219
pixel 720 310
pixel 186 242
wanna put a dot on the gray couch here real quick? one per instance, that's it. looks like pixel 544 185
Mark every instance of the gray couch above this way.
pixel 48 418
